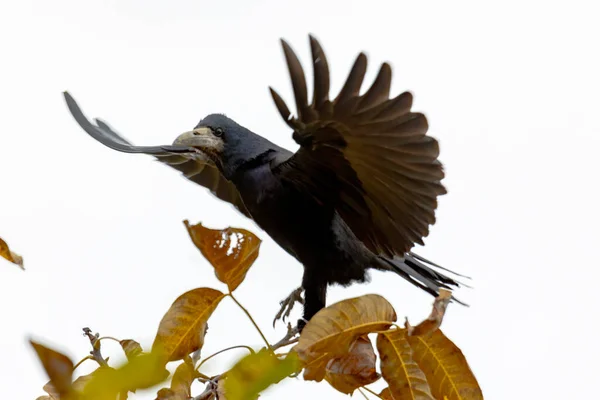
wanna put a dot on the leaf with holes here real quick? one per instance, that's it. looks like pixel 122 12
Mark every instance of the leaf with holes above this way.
pixel 333 329
pixel 406 381
pixel 59 369
pixel 10 255
pixel 354 369
pixel 231 251
pixel 445 367
pixel 256 372
pixel 182 329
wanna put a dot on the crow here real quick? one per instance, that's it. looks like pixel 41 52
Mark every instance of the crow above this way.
pixel 358 194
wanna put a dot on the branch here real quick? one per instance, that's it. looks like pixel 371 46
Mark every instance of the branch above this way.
pixel 95 342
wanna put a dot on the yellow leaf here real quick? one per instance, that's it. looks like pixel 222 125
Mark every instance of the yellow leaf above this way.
pixel 231 251
pixel 141 372
pixel 10 255
pixel 182 329
pixel 354 369
pixel 406 381
pixel 256 372
pixel 434 320
pixel 333 329
pixel 445 367
pixel 59 369
pixel 79 383
pixel 131 348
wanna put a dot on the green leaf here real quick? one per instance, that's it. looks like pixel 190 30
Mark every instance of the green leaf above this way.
pixel 141 372
pixel 256 372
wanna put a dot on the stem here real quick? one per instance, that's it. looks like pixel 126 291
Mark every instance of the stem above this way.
pixel 110 338
pixel 223 351
pixel 363 393
pixel 251 320
pixel 82 360
pixel 372 392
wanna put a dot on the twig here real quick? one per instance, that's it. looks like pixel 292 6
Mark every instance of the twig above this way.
pixel 250 349
pixel 363 393
pixel 82 361
pixel 95 342
pixel 372 392
pixel 252 320
pixel 211 389
pixel 110 338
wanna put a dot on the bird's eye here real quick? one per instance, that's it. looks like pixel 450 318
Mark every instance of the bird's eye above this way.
pixel 218 132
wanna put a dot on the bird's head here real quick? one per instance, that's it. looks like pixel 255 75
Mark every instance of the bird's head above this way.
pixel 224 141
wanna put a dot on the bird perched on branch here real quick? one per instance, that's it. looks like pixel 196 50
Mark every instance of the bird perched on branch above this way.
pixel 358 194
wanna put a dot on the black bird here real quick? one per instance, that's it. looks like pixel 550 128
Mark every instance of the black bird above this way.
pixel 358 194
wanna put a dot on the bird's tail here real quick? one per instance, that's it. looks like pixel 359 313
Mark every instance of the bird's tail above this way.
pixel 422 273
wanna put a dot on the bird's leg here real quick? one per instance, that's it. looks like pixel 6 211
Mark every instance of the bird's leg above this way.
pixel 287 304
pixel 315 292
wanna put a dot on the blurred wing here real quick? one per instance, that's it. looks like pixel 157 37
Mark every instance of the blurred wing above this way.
pixel 368 155
pixel 200 170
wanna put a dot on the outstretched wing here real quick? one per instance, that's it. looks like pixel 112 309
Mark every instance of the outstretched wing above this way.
pixel 366 154
pixel 200 170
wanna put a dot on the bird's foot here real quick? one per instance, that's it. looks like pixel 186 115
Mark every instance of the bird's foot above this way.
pixel 289 337
pixel 287 305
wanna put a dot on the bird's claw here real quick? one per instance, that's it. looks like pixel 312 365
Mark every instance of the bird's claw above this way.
pixel 289 337
pixel 287 305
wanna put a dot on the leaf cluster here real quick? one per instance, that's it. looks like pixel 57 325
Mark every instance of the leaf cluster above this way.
pixel 416 362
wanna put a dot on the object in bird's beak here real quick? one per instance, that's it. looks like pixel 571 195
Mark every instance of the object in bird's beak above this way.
pixel 202 139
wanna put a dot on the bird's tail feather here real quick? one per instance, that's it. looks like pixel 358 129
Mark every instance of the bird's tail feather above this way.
pixel 422 273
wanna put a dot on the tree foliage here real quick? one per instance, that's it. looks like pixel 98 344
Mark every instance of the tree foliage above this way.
pixel 416 362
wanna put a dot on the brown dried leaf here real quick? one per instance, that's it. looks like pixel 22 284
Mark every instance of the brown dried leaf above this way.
pixel 182 379
pixel 131 348
pixel 434 320
pixel 166 394
pixel 333 329
pixel 406 381
pixel 445 367
pixel 231 251
pixel 10 255
pixel 58 367
pixel 386 394
pixel 51 390
pixel 315 369
pixel 182 329
pixel 354 369
pixel 256 372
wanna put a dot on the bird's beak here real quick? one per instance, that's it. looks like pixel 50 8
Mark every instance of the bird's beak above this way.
pixel 202 139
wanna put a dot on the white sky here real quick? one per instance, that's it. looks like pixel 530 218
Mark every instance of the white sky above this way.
pixel 510 90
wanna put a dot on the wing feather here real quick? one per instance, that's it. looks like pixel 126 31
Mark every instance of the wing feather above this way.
pixel 198 169
pixel 367 154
